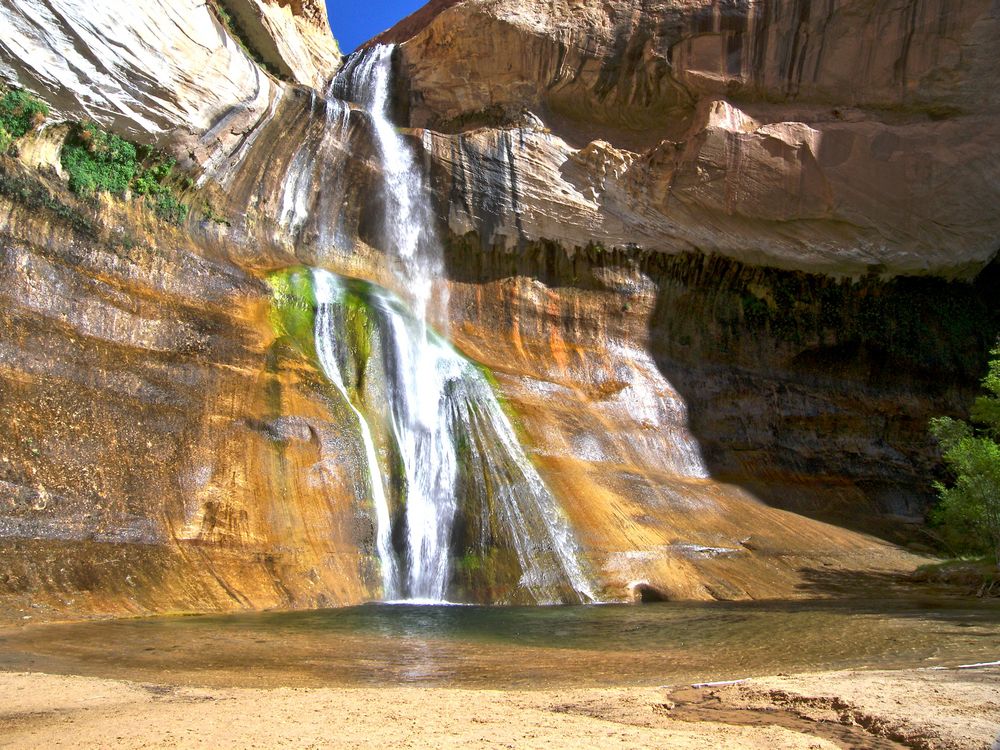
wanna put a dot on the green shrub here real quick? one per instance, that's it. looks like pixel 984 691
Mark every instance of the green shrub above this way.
pixel 969 509
pixel 21 112
pixel 169 208
pixel 98 161
pixel 151 181
pixel 209 213
pixel 6 139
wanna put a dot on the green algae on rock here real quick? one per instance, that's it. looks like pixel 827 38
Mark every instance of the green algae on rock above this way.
pixel 458 474
pixel 293 308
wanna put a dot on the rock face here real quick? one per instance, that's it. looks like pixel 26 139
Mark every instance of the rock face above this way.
pixel 681 234
pixel 645 66
pixel 161 450
pixel 166 73
pixel 812 394
pixel 292 38
pixel 834 137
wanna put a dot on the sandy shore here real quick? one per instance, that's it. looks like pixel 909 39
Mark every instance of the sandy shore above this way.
pixel 915 709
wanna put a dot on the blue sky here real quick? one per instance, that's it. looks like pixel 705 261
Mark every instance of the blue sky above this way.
pixel 357 21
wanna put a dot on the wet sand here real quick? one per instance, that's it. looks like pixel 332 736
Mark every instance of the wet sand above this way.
pixel 948 708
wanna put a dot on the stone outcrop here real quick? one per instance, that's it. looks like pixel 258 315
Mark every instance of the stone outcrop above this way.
pixel 167 73
pixel 645 65
pixel 292 38
pixel 812 394
pixel 161 450
pixel 839 137
pixel 165 451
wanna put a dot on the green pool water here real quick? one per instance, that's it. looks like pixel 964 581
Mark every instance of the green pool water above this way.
pixel 519 647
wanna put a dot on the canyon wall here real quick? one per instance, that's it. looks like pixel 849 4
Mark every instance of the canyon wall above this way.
pixel 185 76
pixel 162 449
pixel 840 137
pixel 724 260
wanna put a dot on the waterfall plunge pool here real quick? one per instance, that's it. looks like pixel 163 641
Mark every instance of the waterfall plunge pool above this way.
pixel 515 647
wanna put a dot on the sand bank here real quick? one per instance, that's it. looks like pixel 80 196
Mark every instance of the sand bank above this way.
pixel 917 709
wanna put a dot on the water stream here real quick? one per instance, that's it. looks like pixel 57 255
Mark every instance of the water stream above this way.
pixel 328 294
pixel 452 451
pixel 408 221
pixel 460 510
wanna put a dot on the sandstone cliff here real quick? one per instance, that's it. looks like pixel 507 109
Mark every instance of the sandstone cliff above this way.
pixel 838 137
pixel 681 234
pixel 172 74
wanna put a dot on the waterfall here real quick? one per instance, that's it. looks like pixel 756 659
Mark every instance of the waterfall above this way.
pixel 409 219
pixel 331 352
pixel 419 426
pixel 315 158
pixel 458 452
pixel 417 375
pixel 448 479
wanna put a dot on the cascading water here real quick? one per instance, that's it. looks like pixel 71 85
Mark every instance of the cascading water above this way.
pixel 448 479
pixel 408 219
pixel 315 159
pixel 454 442
pixel 330 351
pixel 419 426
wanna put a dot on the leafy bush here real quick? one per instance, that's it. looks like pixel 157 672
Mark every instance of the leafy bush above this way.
pixel 20 112
pixel 209 213
pixel 169 208
pixel 6 139
pixel 969 509
pixel 151 182
pixel 98 161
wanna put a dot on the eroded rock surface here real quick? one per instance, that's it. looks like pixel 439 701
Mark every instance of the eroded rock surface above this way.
pixel 162 450
pixel 170 74
pixel 290 36
pixel 834 137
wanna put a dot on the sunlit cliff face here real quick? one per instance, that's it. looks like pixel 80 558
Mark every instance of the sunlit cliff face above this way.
pixel 696 415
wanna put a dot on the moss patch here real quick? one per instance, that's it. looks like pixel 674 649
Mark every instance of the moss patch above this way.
pixel 492 573
pixel 293 308
pixel 360 330
pixel 210 213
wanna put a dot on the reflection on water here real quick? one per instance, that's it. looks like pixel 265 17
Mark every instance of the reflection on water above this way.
pixel 526 647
